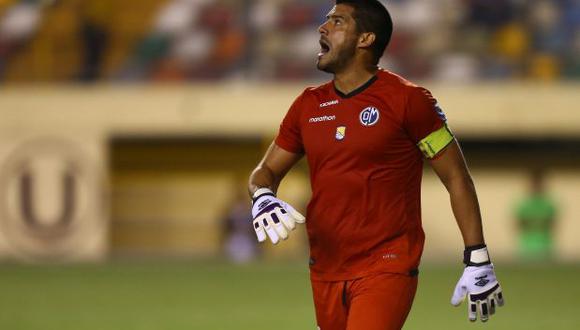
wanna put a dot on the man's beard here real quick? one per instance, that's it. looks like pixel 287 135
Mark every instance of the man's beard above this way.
pixel 343 56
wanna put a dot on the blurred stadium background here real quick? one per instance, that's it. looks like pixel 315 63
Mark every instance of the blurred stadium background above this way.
pixel 128 129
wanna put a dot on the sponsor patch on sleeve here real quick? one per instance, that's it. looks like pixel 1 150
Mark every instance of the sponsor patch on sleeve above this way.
pixel 433 143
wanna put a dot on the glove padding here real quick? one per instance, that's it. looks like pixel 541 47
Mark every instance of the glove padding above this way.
pixel 273 217
pixel 482 289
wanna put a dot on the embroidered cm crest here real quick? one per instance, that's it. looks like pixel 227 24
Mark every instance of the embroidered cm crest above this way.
pixel 369 116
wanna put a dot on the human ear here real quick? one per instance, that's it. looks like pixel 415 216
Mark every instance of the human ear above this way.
pixel 366 39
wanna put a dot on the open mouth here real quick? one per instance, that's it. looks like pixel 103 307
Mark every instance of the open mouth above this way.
pixel 324 47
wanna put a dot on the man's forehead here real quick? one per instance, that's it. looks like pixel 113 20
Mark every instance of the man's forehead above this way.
pixel 340 10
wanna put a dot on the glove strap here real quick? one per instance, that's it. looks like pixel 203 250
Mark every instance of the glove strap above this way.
pixel 476 255
pixel 262 192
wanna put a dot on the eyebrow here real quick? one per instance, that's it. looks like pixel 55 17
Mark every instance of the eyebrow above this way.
pixel 335 16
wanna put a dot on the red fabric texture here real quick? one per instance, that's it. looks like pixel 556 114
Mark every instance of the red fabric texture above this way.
pixel 365 213
pixel 377 302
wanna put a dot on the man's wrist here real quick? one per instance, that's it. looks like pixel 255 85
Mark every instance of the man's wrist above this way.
pixel 262 192
pixel 476 255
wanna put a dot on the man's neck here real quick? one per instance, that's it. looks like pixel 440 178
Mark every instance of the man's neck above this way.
pixel 353 78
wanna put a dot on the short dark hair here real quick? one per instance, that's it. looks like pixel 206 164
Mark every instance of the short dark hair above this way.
pixel 372 16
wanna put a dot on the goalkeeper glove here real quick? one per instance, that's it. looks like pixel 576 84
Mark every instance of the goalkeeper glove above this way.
pixel 479 284
pixel 272 216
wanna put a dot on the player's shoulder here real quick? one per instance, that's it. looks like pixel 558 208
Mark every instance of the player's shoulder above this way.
pixel 399 84
pixel 310 98
pixel 318 91
pixel 314 94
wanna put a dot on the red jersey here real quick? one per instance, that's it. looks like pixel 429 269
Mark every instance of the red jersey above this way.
pixel 365 170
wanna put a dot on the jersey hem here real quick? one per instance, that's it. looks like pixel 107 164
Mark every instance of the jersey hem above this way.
pixel 322 277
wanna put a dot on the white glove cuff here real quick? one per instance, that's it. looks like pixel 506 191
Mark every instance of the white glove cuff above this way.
pixel 476 256
pixel 262 191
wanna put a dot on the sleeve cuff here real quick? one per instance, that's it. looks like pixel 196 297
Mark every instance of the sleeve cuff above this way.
pixel 288 146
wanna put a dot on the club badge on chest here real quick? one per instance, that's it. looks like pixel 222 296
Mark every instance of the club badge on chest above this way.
pixel 369 116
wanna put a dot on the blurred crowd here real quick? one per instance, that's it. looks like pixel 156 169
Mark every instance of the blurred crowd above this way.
pixel 183 40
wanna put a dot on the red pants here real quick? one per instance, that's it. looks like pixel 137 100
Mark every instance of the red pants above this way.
pixel 377 302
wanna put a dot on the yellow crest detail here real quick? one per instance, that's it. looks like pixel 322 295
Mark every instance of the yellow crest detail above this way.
pixel 340 133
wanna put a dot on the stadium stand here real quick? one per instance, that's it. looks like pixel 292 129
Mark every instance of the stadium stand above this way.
pixel 180 40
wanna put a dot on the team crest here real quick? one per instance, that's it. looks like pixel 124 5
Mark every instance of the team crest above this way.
pixel 340 133
pixel 369 116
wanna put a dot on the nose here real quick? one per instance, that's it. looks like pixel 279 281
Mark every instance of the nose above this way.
pixel 322 28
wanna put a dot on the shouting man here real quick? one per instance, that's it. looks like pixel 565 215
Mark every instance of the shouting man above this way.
pixel 365 135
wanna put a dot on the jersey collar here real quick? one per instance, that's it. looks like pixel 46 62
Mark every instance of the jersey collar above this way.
pixel 357 91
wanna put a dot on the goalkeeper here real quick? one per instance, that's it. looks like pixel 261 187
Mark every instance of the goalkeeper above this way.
pixel 365 135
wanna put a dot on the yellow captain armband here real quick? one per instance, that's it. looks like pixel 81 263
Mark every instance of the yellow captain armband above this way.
pixel 435 142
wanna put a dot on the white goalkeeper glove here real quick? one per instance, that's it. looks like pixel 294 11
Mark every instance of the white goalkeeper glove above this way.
pixel 272 216
pixel 479 284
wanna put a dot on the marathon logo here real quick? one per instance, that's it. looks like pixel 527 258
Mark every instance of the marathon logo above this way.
pixel 321 119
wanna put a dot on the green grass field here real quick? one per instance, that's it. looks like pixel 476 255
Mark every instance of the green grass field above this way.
pixel 216 295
